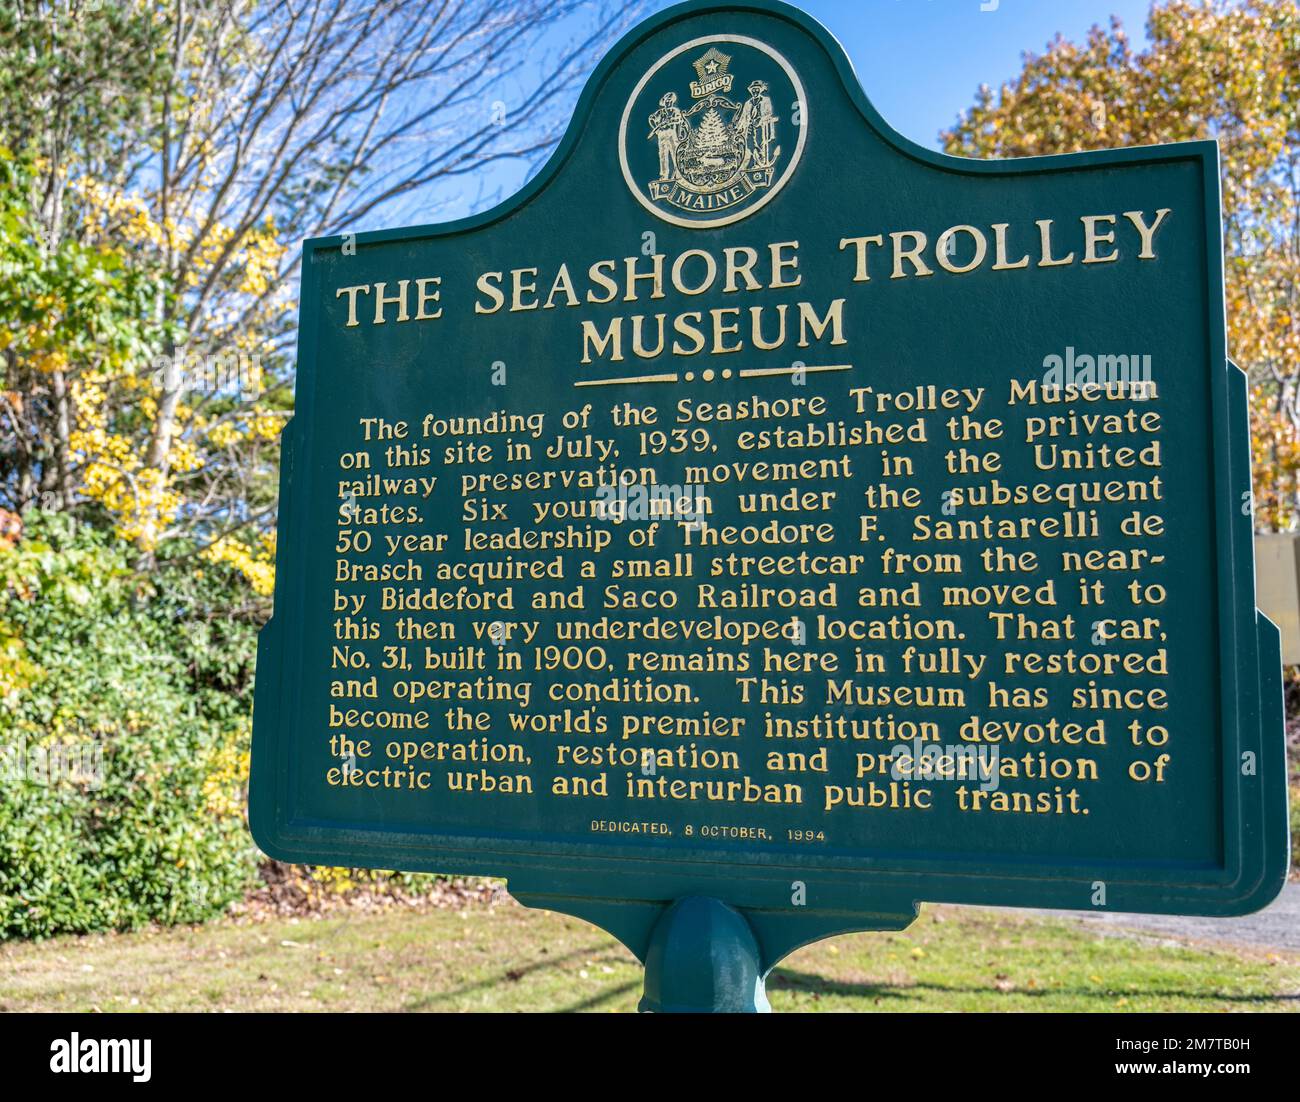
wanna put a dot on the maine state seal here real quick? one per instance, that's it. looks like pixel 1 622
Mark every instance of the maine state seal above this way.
pixel 713 131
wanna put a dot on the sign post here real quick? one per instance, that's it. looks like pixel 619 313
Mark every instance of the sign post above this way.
pixel 761 524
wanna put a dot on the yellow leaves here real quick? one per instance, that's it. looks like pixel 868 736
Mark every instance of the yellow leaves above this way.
pixel 268 424
pixel 118 216
pixel 256 563
pixel 144 508
pixel 256 424
pixel 89 396
pixel 260 258
pixel 16 672
pixel 140 499
pixel 95 445
pixel 48 362
pixel 1275 454
pixel 40 340
pixel 185 457
pixel 224 786
pixel 225 435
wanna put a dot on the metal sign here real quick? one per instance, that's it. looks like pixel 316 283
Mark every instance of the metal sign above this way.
pixel 761 511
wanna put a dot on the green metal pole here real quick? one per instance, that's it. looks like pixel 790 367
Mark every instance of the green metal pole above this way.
pixel 703 958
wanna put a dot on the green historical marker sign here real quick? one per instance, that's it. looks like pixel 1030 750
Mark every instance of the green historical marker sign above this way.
pixel 761 524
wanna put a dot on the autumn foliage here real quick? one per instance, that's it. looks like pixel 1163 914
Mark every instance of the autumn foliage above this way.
pixel 1229 71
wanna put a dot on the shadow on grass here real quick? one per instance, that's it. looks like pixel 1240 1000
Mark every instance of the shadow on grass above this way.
pixel 551 963
pixel 791 980
pixel 602 997
pixel 787 979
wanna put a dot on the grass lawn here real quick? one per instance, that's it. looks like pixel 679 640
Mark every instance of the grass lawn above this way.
pixel 505 958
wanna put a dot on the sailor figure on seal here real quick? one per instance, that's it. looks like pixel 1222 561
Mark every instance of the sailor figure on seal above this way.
pixel 758 123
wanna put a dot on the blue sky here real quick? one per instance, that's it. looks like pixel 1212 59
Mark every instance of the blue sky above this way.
pixel 920 61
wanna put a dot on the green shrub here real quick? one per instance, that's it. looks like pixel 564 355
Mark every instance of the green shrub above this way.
pixel 150 676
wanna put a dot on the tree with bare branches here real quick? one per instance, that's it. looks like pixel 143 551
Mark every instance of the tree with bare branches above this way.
pixel 174 155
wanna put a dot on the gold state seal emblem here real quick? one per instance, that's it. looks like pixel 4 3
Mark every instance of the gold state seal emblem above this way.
pixel 721 154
